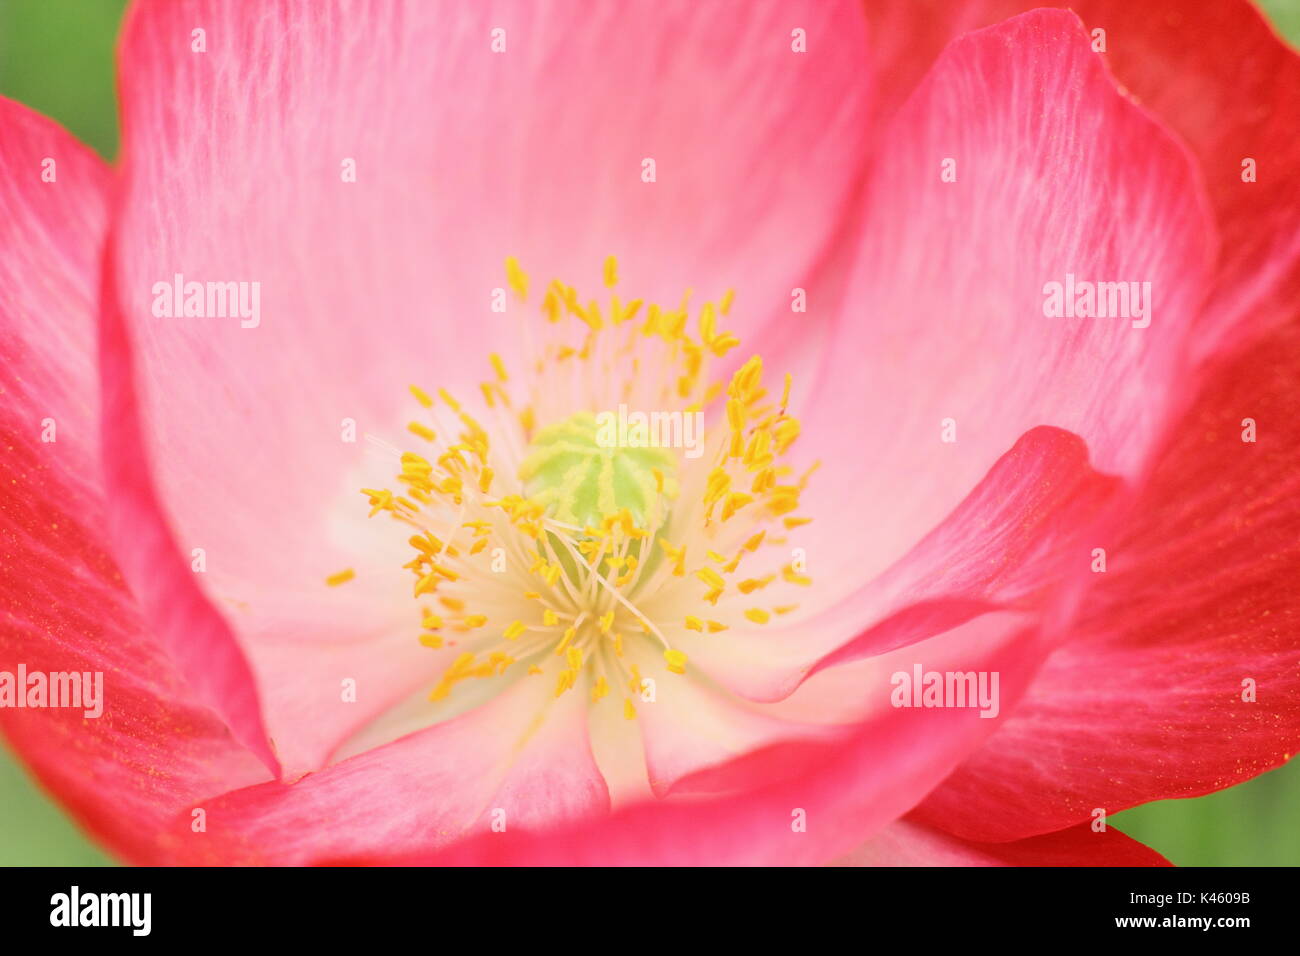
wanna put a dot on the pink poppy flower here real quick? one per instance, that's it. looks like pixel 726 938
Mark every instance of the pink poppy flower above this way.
pixel 372 247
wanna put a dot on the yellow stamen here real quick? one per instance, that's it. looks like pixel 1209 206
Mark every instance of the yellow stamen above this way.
pixel 516 276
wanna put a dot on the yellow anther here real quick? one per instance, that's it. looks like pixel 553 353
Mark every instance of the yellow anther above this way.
pixel 517 277
pixel 651 326
pixel 723 344
pixel 514 630
pixel 415 464
pixel 758 615
pixel 794 577
pixel 708 324
pixel 676 660
pixel 711 578
pixel 786 433
pixel 423 431
pixel 718 483
pixel 735 414
pixel 735 501
pixel 382 501
pixel 630 310
pixel 551 306
pixel 340 577
pixel 783 501
pixel 427 543
pixel 421 396
pixel 611 272
pixel 756 453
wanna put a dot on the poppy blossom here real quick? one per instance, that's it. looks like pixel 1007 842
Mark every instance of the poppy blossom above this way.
pixel 657 432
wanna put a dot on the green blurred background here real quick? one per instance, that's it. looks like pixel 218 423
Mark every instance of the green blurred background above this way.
pixel 57 57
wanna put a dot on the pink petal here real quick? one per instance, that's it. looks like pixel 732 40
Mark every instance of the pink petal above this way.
pixel 1195 72
pixel 153 750
pixel 1057 173
pixel 522 759
pixel 906 843
pixel 1146 701
pixel 463 156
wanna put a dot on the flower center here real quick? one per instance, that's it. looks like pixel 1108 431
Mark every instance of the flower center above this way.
pixel 583 472
pixel 549 551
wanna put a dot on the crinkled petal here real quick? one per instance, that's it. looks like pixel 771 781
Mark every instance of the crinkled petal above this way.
pixel 1182 675
pixel 945 354
pixel 1219 77
pixel 136 747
